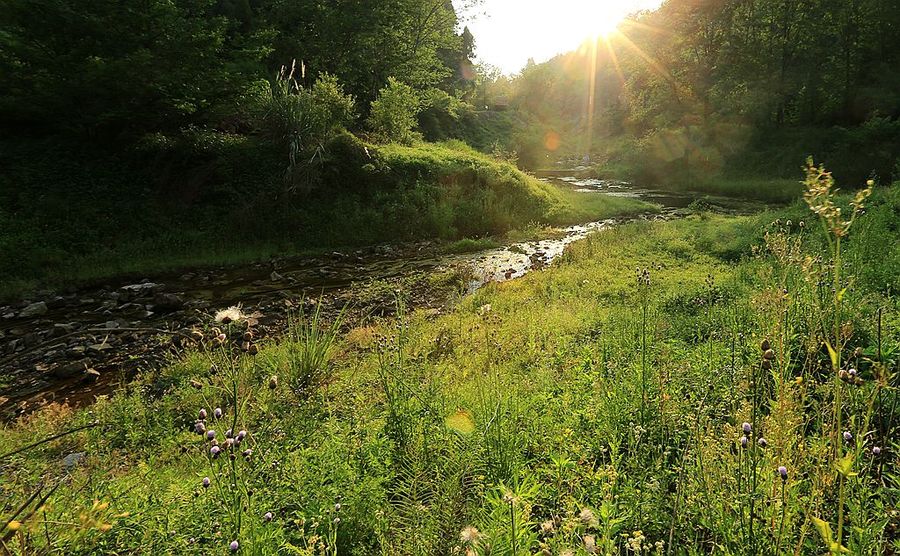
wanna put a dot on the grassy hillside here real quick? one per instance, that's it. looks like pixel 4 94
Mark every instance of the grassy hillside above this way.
pixel 67 216
pixel 584 406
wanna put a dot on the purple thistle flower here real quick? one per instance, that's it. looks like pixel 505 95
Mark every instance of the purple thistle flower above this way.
pixel 852 372
pixel 743 442
pixel 205 482
pixel 848 436
pixel 210 435
pixel 876 451
pixel 247 453
pixel 762 442
pixel 234 546
pixel 202 414
pixel 783 472
pixel 199 427
pixel 267 516
pixel 229 443
pixel 214 442
pixel 228 433
pixel 214 451
pixel 217 412
pixel 242 434
pixel 747 428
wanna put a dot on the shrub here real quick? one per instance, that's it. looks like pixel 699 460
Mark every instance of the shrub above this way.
pixel 393 115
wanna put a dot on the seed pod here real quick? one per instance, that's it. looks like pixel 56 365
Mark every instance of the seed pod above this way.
pixel 765 346
pixel 245 345
pixel 248 335
pixel 766 364
pixel 273 382
pixel 253 349
pixel 769 354
pixel 857 352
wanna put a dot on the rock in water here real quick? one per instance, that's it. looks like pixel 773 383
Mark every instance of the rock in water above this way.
pixel 34 310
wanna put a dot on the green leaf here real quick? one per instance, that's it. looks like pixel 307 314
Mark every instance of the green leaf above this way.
pixel 461 422
pixel 844 466
pixel 833 354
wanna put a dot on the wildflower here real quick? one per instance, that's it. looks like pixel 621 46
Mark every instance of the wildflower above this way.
pixel 228 434
pixel 217 412
pixel 210 435
pixel 214 451
pixel 747 428
pixel 337 507
pixel 798 380
pixel 848 436
pixel 205 482
pixel 221 338
pixel 336 520
pixel 230 314
pixel 590 544
pixel 273 382
pixel 876 451
pixel 762 442
pixel 247 453
pixel 547 527
pixel 199 427
pixel 202 414
pixel 214 442
pixel 267 516
pixel 852 372
pixel 469 535
pixel 229 442
pixel 783 472
pixel 587 517
pixel 241 434
pixel 234 546
pixel 14 525
pixel 743 442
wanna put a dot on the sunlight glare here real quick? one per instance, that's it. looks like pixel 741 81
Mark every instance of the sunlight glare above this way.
pixel 509 32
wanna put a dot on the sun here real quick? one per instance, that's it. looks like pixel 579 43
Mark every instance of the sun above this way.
pixel 603 17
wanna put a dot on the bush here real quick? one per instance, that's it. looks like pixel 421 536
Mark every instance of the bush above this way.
pixel 393 115
pixel 301 121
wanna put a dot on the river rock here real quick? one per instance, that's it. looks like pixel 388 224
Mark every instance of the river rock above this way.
pixel 73 460
pixel 34 310
pixel 68 370
pixel 144 288
pixel 167 302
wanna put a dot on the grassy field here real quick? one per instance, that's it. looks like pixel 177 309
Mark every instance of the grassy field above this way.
pixel 598 406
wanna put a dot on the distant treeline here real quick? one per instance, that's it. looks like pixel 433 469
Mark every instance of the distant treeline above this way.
pixel 699 84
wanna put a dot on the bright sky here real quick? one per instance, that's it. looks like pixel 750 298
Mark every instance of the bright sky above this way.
pixel 508 32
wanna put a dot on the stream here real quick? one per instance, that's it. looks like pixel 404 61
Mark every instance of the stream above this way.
pixel 71 347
